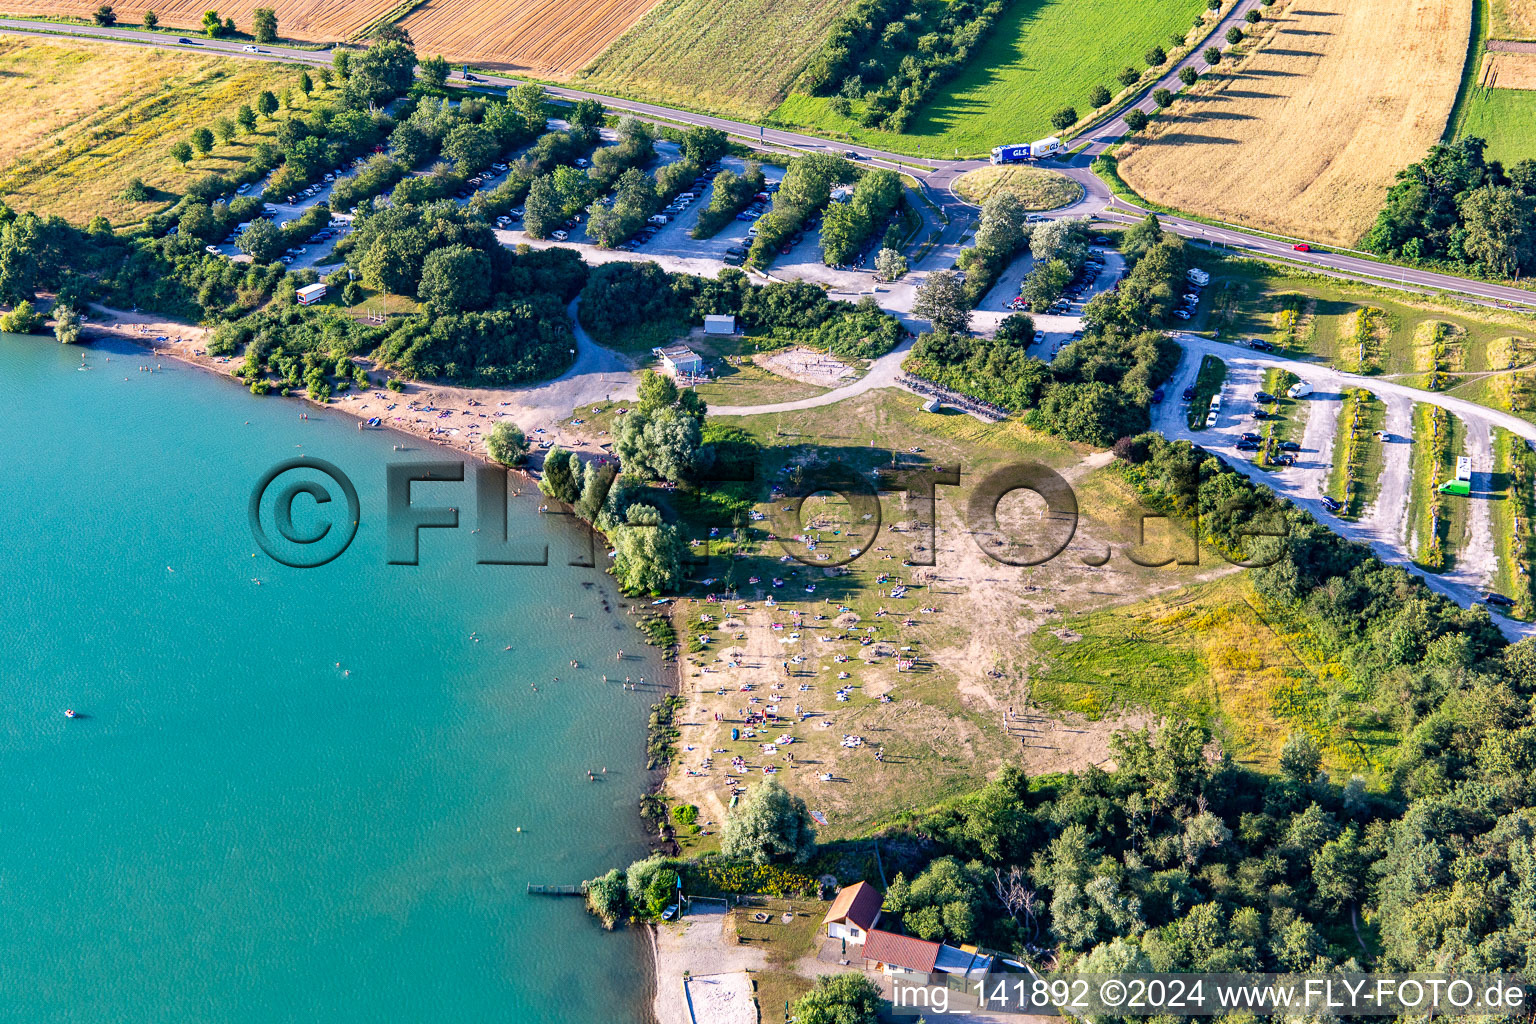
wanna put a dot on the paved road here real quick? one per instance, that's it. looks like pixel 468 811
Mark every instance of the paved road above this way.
pixel 936 175
pixel 1383 527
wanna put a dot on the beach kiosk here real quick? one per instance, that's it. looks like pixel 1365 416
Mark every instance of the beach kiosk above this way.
pixel 1462 485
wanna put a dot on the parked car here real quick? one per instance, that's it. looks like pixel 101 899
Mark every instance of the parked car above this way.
pixel 1157 396
pixel 212 249
pixel 1247 446
pixel 559 236
pixel 1332 504
pixel 1250 436
pixel 1189 394
pixel 1497 599
pixel 1261 345
pixel 1290 446
pixel 1182 314
pixel 1263 397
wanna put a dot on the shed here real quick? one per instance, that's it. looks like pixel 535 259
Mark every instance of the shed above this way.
pixel 312 293
pixel 900 954
pixel 854 912
pixel 681 361
pixel 719 324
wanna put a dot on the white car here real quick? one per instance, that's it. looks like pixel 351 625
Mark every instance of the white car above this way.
pixel 212 250
pixel 559 236
pixel 250 49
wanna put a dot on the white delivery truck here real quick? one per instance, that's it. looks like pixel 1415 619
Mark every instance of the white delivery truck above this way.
pixel 1046 147
pixel 1301 389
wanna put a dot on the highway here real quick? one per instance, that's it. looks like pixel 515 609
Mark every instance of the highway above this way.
pixel 936 176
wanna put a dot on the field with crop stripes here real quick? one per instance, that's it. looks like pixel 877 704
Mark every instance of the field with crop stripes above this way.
pixel 309 20
pixel 547 38
pixel 735 57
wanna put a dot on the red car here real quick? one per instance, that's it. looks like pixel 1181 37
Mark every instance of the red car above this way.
pixel 1302 247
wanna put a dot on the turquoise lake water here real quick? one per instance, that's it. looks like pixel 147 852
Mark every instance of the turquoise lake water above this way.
pixel 238 828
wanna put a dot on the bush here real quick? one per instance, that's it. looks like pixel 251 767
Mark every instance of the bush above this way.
pixel 1136 119
pixel 608 897
pixel 1098 96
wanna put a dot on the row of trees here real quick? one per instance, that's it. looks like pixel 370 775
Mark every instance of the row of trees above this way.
pixel 805 188
pixel 732 193
pixel 847 226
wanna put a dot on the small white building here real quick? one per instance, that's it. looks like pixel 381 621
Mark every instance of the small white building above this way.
pixel 719 324
pixel 311 293
pixel 853 913
pixel 680 361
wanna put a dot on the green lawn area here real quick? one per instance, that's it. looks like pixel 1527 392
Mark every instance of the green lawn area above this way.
pixel 1513 502
pixel 1307 316
pixel 1286 420
pixel 1213 372
pixel 1043 55
pixel 1437 523
pixel 1354 477
pixel 1506 118
pixel 1036 187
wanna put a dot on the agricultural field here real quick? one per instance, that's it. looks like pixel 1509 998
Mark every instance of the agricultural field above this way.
pixel 1513 19
pixel 1036 187
pixel 736 57
pixel 307 20
pixel 549 40
pixel 1043 55
pixel 88 118
pixel 1504 118
pixel 1361 328
pixel 1304 135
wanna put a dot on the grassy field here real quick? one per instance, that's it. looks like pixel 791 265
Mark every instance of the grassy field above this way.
pixel 1215 653
pixel 1503 117
pixel 1304 136
pixel 1306 316
pixel 87 118
pixel 1287 417
pixel 1513 19
pixel 1357 453
pixel 1043 55
pixel 1514 503
pixel 1213 373
pixel 1036 187
pixel 310 20
pixel 548 39
pixel 737 57
pixel 1437 523
pixel 740 381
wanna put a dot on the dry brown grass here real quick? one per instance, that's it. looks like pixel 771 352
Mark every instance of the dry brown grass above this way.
pixel 549 38
pixel 310 20
pixel 1304 136
pixel 85 118
pixel 1508 71
pixel 1513 19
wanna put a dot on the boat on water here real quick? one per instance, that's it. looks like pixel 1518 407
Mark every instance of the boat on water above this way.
pixel 69 712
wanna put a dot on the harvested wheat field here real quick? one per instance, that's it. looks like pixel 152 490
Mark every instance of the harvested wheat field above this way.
pixel 736 57
pixel 548 38
pixel 309 20
pixel 1304 135
pixel 86 118
pixel 1508 71
pixel 1513 19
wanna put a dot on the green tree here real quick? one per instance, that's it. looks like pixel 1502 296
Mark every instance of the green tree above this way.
pixel 558 480
pixel 1136 119
pixel 151 20
pixel 769 825
pixel 66 325
pixel 105 16
pixel 470 146
pixel 651 884
pixel 1299 758
pixel 1098 96
pixel 1212 56
pixel 342 62
pixel 245 117
pixel 532 103
pixel 202 140
pixel 24 319
pixel 20 243
pixel 608 897
pixel 889 264
pixel 327 76
pixel 664 445
pixel 1500 229
pixel 213 25
pixel 1234 35
pixel 1156 57
pixel 649 552
pixel 585 114
pixel 506 443
pixel 136 191
pixel 262 241
pixel 541 209
pixel 306 84
pixel 384 71
pixel 266 103
pixel 839 999
pixel 453 279
pixel 1017 329
pixel 1003 229
pixel 264 25
pixel 434 71
pixel 1162 97
pixel 181 152
pixel 941 903
pixel 1064 118
pixel 1129 76
pixel 1188 75
pixel 224 128
pixel 1253 17
pixel 941 301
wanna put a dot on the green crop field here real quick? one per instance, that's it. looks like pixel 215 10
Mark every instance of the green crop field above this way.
pixel 1506 118
pixel 736 57
pixel 1042 56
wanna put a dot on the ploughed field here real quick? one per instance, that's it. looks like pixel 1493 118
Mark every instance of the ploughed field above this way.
pixel 1305 134
pixel 309 20
pixel 548 38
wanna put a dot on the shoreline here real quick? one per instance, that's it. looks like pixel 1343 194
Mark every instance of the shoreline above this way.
pixel 140 331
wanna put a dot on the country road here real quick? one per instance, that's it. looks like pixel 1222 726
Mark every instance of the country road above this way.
pixel 936 176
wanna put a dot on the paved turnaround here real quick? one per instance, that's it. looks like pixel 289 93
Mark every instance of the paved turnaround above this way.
pixel 936 176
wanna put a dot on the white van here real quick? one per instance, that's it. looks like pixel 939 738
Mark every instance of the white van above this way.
pixel 1301 389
